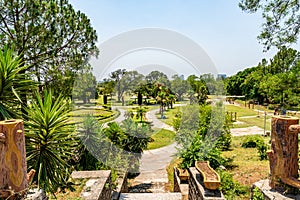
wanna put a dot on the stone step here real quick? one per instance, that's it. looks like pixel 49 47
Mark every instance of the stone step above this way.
pixel 152 187
pixel 150 196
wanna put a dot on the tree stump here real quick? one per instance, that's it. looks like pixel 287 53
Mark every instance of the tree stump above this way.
pixel 13 168
pixel 283 155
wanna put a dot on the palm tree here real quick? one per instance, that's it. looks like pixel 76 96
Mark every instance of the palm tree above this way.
pixel 13 83
pixel 50 140
pixel 162 94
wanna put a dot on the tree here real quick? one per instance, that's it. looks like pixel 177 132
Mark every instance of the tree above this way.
pixel 106 87
pixel 157 77
pixel 199 88
pixel 130 82
pixel 179 87
pixel 282 24
pixel 48 36
pixel 276 81
pixel 162 96
pixel 50 140
pixel 85 86
pixel 116 77
pixel 12 83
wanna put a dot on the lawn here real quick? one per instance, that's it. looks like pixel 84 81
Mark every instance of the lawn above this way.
pixel 254 121
pixel 247 166
pixel 169 114
pixel 241 111
pixel 100 113
pixel 161 138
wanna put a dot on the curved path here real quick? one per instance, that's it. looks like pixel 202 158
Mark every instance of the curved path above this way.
pixel 150 116
pixel 153 163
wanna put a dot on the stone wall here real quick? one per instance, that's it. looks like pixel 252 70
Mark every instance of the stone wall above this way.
pixel 98 186
pixel 122 186
pixel 197 190
pixel 179 186
pixel 176 181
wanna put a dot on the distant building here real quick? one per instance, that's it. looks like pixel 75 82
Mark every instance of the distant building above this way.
pixel 181 77
pixel 221 76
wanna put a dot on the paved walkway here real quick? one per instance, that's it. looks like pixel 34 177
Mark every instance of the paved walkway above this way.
pixel 150 116
pixel 253 130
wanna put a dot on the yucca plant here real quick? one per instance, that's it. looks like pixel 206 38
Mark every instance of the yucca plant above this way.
pixel 13 83
pixel 50 140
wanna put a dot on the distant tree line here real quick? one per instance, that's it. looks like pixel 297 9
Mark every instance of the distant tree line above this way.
pixel 276 81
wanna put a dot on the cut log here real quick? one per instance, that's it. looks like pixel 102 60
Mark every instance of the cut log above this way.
pixel 283 156
pixel 13 168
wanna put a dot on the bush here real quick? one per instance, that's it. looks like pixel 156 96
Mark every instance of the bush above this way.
pixel 252 141
pixel 200 150
pixel 262 151
pixel 230 188
pixel 224 141
pixel 257 194
pixel 256 141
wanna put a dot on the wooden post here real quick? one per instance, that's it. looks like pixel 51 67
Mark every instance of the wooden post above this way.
pixel 283 155
pixel 13 168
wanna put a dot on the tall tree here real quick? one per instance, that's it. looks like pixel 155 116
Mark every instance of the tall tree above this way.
pixel 199 88
pixel 85 86
pixel 131 81
pixel 158 77
pixel 179 86
pixel 47 35
pixel 116 77
pixel 282 20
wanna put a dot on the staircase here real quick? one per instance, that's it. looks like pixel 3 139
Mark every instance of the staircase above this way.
pixel 149 190
pixel 150 196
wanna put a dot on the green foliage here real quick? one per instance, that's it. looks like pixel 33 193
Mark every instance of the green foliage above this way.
pixel 137 135
pixel 50 141
pixel 276 82
pixel 179 87
pixel 202 134
pixel 156 77
pixel 257 194
pixel 50 37
pixel 13 83
pixel 91 136
pixel 281 25
pixel 252 141
pixel 262 151
pixel 230 188
pixel 177 120
pixel 198 89
pixel 84 86
pixel 130 138
pixel 201 150
pixel 256 141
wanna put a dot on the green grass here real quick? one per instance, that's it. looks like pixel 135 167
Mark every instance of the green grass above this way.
pixel 161 138
pixel 170 114
pixel 101 114
pixel 241 111
pixel 247 167
pixel 254 121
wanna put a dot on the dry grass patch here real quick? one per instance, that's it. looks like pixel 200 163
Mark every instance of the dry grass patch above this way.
pixel 247 166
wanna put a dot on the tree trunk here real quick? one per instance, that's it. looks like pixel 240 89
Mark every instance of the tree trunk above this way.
pixel 283 155
pixel 13 168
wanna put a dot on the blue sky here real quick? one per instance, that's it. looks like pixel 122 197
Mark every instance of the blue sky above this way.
pixel 226 34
